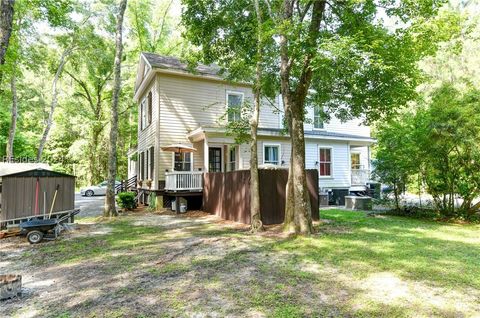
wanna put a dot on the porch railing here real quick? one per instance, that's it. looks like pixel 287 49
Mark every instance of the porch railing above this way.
pixel 360 176
pixel 183 181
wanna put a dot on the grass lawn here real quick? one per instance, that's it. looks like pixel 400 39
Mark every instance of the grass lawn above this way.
pixel 162 265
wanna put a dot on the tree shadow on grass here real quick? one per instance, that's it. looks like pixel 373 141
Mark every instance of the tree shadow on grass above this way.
pixel 200 268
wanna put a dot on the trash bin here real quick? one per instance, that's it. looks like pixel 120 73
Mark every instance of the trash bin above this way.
pixel 183 207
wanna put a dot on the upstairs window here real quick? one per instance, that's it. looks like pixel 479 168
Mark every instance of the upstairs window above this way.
pixel 143 115
pixel 325 162
pixel 234 106
pixel 149 108
pixel 317 117
pixel 271 154
pixel 182 161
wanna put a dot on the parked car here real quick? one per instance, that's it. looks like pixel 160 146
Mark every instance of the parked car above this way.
pixel 99 189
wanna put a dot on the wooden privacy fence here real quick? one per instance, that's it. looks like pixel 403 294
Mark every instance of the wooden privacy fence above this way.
pixel 227 194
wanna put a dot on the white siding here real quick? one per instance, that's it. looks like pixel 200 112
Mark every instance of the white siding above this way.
pixel 340 162
pixel 270 116
pixel 186 104
pixel 284 155
pixel 350 127
pixel 148 136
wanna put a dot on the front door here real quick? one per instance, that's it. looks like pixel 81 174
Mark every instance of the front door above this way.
pixel 214 159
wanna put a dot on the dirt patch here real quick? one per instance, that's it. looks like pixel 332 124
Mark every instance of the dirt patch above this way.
pixel 159 264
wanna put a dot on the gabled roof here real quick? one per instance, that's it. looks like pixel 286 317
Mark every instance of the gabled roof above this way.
pixel 39 172
pixel 174 63
pixel 11 168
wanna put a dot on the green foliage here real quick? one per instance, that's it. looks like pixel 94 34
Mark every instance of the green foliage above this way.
pixel 396 154
pixel 438 140
pixel 440 143
pixel 152 201
pixel 126 200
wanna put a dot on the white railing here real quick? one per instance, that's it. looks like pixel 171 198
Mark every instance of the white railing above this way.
pixel 360 176
pixel 183 181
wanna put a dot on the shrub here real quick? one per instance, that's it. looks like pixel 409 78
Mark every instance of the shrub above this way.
pixel 152 201
pixel 126 200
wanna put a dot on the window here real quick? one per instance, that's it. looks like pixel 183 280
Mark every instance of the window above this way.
pixel 143 115
pixel 325 162
pixel 149 108
pixel 317 117
pixel 271 154
pixel 232 158
pixel 151 161
pixel 182 161
pixel 215 159
pixel 142 166
pixel 234 106
pixel 355 160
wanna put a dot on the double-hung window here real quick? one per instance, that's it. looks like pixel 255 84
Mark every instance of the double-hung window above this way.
pixel 234 106
pixel 143 114
pixel 271 154
pixel 149 108
pixel 151 161
pixel 232 158
pixel 317 117
pixel 325 162
pixel 182 161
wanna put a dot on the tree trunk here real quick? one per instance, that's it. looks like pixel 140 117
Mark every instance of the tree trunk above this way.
pixel 110 209
pixel 298 214
pixel 255 213
pixel 6 22
pixel 303 212
pixel 94 164
pixel 53 103
pixel 13 123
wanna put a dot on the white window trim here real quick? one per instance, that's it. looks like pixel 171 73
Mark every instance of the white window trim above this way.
pixel 230 147
pixel 269 144
pixel 173 162
pixel 238 93
pixel 332 166
pixel 143 113
pixel 313 122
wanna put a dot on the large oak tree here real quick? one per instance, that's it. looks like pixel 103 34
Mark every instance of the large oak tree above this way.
pixel 337 54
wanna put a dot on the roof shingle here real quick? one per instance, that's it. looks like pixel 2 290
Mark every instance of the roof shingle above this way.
pixel 173 63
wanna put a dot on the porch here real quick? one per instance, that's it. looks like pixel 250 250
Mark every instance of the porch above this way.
pixel 360 177
pixel 178 181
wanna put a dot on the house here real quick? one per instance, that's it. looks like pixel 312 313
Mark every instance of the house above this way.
pixel 187 107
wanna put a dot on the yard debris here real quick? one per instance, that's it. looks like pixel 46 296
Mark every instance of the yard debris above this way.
pixel 9 233
pixel 10 286
pixel 187 247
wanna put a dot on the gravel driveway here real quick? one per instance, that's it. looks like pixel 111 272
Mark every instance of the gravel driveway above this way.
pixel 89 206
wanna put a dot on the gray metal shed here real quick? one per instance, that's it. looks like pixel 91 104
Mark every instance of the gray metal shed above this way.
pixel 28 193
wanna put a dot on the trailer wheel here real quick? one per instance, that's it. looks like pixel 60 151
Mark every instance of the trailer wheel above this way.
pixel 34 237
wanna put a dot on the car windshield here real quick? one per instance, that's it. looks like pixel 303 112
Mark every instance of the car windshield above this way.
pixel 104 183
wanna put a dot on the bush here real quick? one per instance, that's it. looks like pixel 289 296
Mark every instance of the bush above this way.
pixel 126 200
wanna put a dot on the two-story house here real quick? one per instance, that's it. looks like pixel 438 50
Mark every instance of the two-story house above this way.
pixel 185 107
